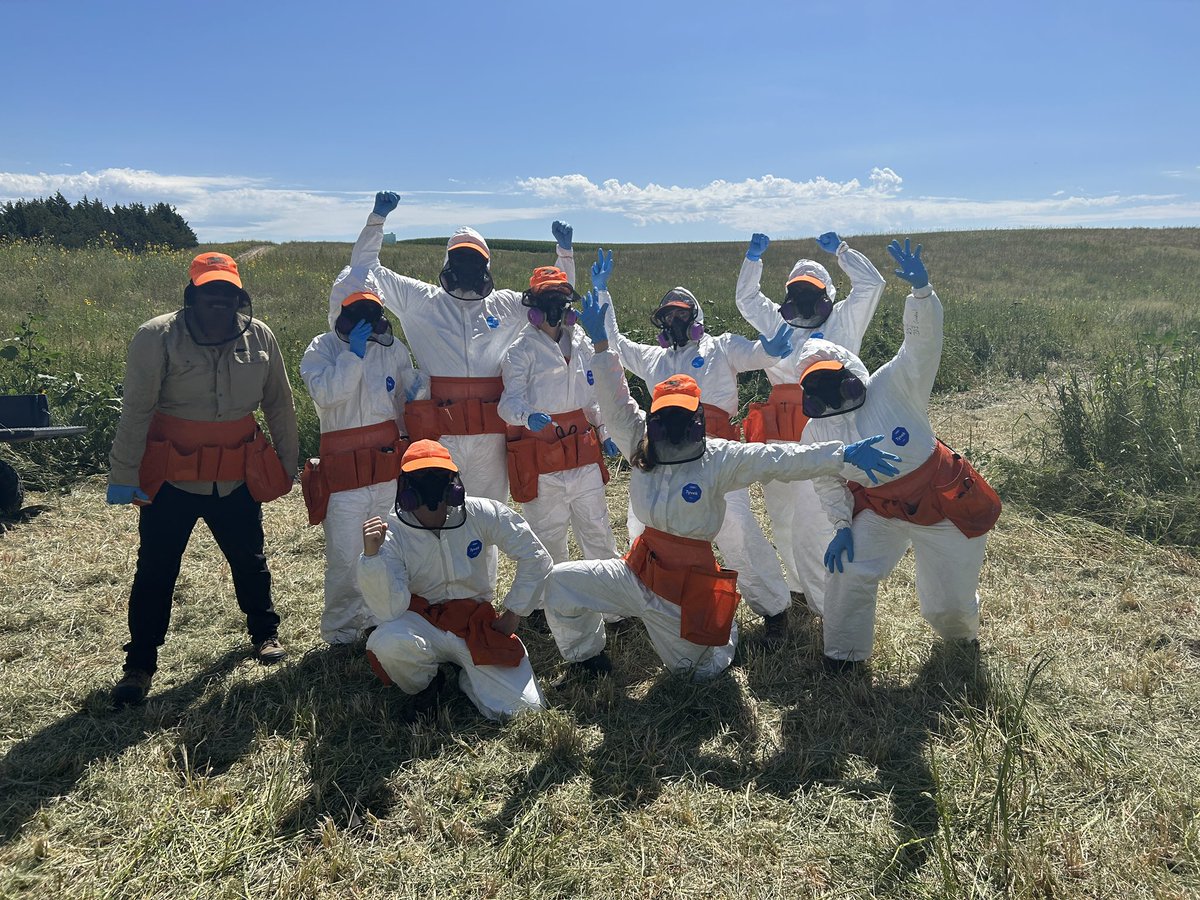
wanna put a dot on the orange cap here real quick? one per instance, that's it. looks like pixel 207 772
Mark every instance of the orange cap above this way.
pixel 678 390
pixel 361 295
pixel 426 455
pixel 214 267
pixel 811 279
pixel 549 278
pixel 828 365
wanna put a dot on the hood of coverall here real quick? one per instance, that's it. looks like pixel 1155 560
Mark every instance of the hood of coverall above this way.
pixel 817 350
pixel 353 281
pixel 453 277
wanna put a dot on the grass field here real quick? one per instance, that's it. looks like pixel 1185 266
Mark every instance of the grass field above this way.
pixel 1062 762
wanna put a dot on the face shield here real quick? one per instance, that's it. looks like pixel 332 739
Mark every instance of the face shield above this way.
pixel 216 312
pixel 676 434
pixel 422 494
pixel 365 310
pixel 550 307
pixel 465 275
pixel 831 390
pixel 675 319
pixel 807 304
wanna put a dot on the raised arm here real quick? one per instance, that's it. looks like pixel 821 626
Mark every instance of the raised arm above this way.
pixel 916 363
pixel 755 306
pixel 399 291
pixel 382 575
pixel 624 419
pixel 849 319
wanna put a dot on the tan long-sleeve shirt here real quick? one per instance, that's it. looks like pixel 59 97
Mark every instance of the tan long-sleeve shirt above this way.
pixel 169 372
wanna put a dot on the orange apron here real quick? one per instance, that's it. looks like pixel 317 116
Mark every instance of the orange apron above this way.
pixel 945 486
pixel 781 418
pixel 456 406
pixel 194 450
pixel 470 620
pixel 534 453
pixel 351 458
pixel 684 571
pixel 717 424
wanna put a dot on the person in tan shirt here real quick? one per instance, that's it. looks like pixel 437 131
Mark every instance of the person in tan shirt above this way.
pixel 188 447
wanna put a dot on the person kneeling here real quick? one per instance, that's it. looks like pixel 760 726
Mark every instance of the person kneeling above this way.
pixel 424 574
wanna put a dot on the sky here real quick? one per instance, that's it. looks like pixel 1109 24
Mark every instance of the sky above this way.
pixel 638 121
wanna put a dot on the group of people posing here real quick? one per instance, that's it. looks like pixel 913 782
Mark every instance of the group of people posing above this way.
pixel 523 394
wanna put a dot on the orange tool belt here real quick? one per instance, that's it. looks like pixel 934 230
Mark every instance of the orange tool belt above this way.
pixel 351 458
pixel 456 406
pixel 470 620
pixel 193 450
pixel 717 424
pixel 684 571
pixel 781 418
pixel 572 445
pixel 945 486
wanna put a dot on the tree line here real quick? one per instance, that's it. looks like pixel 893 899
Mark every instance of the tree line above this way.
pixel 135 227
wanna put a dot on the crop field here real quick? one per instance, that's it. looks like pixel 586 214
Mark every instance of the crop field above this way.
pixel 1062 760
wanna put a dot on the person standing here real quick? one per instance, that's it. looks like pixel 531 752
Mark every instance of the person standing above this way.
pixel 188 447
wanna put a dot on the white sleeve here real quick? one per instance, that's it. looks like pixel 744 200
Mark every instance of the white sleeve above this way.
pixel 399 290
pixel 516 540
pixel 740 465
pixel 755 306
pixel 849 320
pixel 514 406
pixel 624 419
pixel 383 579
pixel 591 409
pixel 916 363
pixel 331 372
pixel 565 260
pixel 637 358
pixel 744 354
pixel 836 500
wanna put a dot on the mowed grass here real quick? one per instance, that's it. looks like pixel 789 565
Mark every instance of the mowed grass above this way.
pixel 1061 762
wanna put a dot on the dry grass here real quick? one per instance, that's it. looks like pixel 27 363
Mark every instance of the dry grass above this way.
pixel 1062 763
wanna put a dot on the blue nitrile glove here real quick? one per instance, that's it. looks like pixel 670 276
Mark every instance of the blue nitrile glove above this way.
pixel 592 317
pixel 601 269
pixel 758 246
pixel 125 493
pixel 911 268
pixel 562 233
pixel 385 202
pixel 829 241
pixel 843 542
pixel 780 345
pixel 358 338
pixel 537 421
pixel 611 448
pixel 865 456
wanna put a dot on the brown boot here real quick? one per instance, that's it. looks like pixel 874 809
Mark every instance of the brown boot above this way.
pixel 270 651
pixel 132 688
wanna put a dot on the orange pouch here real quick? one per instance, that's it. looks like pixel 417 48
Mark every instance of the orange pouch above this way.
pixel 266 478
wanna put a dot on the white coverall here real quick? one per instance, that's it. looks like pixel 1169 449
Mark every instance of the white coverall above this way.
pixel 947 562
pixel 538 377
pixel 450 564
pixel 456 339
pixel 349 392
pixel 688 500
pixel 798 523
pixel 714 362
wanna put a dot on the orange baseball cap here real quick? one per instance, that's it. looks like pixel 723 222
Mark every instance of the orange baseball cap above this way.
pixel 361 295
pixel 678 390
pixel 811 279
pixel 828 365
pixel 426 455
pixel 214 267
pixel 549 278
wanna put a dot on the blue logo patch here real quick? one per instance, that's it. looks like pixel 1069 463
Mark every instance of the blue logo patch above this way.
pixel 691 492
pixel 591 378
pixel 493 322
pixel 474 548
pixel 698 362
pixel 899 436
pixel 817 334
pixel 391 384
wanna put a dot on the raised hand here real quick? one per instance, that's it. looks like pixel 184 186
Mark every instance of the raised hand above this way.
pixel 563 233
pixel 592 318
pixel 912 269
pixel 864 455
pixel 374 530
pixel 601 269
pixel 758 246
pixel 829 241
pixel 780 345
pixel 843 542
pixel 385 202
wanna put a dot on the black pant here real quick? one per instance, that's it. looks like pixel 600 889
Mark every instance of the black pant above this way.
pixel 164 527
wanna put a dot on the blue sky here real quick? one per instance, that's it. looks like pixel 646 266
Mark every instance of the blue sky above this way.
pixel 635 121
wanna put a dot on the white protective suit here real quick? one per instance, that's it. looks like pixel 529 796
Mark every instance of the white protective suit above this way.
pixel 349 392
pixel 539 378
pixel 714 362
pixel 688 500
pixel 947 562
pixel 448 565
pixel 456 339
pixel 797 522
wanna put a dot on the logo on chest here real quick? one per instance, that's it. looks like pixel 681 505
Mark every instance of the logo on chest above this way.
pixel 698 362
pixel 691 492
pixel 474 548
pixel 492 322
pixel 590 377
pixel 899 436
pixel 391 383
